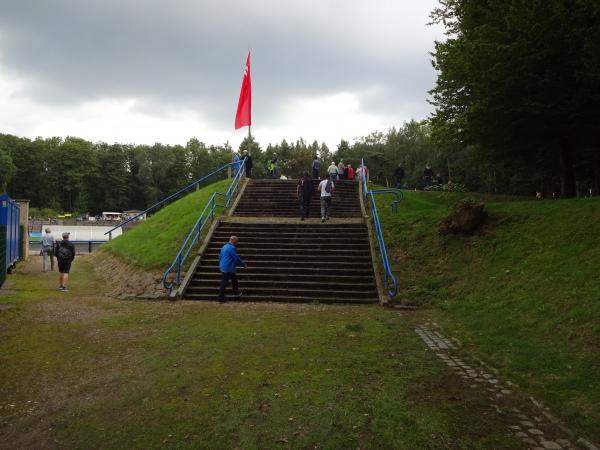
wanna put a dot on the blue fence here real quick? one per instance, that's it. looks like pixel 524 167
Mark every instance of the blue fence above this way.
pixel 206 216
pixel 391 284
pixel 9 234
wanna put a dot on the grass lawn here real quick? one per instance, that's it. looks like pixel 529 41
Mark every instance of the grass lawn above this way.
pixel 79 370
pixel 524 294
pixel 154 243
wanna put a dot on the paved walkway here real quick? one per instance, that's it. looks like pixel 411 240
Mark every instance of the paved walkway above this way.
pixel 533 424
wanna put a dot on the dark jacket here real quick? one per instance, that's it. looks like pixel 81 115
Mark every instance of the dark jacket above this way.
pixel 66 244
pixel 399 173
pixel 248 162
pixel 305 188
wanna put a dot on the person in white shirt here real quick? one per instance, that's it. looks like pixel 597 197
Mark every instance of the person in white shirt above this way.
pixel 47 250
pixel 326 188
pixel 332 171
pixel 341 169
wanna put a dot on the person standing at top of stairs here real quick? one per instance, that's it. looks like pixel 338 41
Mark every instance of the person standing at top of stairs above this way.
pixel 316 168
pixel 341 170
pixel 304 191
pixel 272 166
pixel 326 189
pixel 248 164
pixel 350 172
pixel 332 171
pixel 228 262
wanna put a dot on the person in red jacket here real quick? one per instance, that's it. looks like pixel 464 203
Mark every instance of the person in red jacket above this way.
pixel 350 172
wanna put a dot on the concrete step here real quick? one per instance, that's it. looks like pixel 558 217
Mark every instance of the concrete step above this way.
pixel 344 241
pixel 271 290
pixel 248 297
pixel 315 278
pixel 275 235
pixel 325 263
pixel 290 233
pixel 246 247
pixel 315 253
pixel 298 226
pixel 349 271
pixel 293 203
pixel 313 214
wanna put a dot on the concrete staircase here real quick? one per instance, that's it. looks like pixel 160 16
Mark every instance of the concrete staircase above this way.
pixel 290 260
pixel 277 198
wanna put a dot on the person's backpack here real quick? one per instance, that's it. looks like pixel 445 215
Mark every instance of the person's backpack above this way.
pixel 63 253
pixel 328 187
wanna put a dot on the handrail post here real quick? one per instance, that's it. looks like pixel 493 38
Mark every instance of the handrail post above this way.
pixel 179 270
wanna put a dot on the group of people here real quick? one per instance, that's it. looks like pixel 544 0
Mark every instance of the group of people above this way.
pixel 63 251
pixel 341 171
pixel 247 160
pixel 305 192
pixel 428 178
pixel 335 172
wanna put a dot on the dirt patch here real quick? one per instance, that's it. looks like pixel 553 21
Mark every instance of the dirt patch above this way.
pixel 67 313
pixel 123 280
pixel 466 217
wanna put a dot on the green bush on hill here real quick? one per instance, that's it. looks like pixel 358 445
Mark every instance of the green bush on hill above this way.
pixel 154 243
pixel 524 291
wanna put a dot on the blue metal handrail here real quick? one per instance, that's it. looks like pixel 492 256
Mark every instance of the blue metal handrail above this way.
pixel 175 194
pixel 391 283
pixel 207 214
pixel 397 193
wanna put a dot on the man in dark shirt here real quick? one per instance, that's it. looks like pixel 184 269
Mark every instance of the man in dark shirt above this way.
pixel 65 254
pixel 399 175
pixel 304 190
pixel 427 175
pixel 247 164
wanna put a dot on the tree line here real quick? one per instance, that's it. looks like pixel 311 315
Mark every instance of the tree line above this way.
pixel 518 90
pixel 75 175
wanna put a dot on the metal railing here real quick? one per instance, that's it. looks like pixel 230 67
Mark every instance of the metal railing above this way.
pixel 207 214
pixel 90 245
pixel 391 284
pixel 175 194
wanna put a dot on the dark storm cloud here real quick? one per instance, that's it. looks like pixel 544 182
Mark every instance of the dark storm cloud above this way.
pixel 191 54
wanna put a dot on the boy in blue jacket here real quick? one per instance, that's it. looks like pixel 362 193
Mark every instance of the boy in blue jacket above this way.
pixel 228 262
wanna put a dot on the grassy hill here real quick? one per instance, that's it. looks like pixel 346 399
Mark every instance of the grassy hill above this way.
pixel 154 243
pixel 524 294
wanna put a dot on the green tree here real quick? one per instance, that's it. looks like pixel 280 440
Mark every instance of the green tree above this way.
pixel 518 82
pixel 7 169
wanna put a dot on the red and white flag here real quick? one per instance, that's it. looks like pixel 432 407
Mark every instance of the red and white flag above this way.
pixel 243 116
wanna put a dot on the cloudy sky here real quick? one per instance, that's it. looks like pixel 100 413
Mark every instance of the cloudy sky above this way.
pixel 142 71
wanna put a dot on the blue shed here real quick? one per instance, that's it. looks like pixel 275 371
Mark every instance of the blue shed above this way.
pixel 9 234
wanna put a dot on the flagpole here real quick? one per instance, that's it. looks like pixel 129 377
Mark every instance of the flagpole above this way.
pixel 249 125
